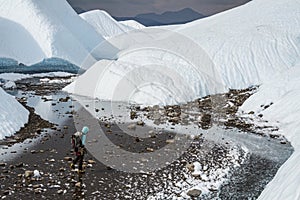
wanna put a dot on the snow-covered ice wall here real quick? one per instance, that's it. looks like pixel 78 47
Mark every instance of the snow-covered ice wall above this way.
pixel 13 115
pixel 251 43
pixel 53 26
pixel 15 42
pixel 283 95
pixel 154 66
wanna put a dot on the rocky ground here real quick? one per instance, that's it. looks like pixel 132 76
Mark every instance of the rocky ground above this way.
pixel 40 169
pixel 220 109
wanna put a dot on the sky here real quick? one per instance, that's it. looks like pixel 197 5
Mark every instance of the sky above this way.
pixel 128 8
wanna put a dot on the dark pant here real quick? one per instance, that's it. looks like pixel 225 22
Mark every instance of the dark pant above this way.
pixel 80 159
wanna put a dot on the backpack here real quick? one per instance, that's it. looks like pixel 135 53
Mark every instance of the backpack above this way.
pixel 76 141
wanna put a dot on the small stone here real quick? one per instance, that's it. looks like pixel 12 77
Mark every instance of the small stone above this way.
pixel 60 191
pixel 131 126
pixel 36 186
pixel 190 167
pixel 196 175
pixel 174 120
pixel 140 123
pixel 171 141
pixel 133 114
pixel 183 161
pixel 28 174
pixel 20 164
pixel 152 134
pixel 36 173
pixel 91 162
pixel 2 164
pixel 32 151
pixel 62 169
pixel 37 191
pixel 6 192
pixel 260 115
pixel 109 131
pixel 150 149
pixel 213 188
pixel 251 113
pixel 194 193
pixel 68 158
pixel 78 184
pixel 52 160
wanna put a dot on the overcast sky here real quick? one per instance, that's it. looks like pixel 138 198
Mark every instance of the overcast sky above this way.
pixel 132 7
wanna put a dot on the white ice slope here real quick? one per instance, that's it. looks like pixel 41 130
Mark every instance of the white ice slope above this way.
pixel 53 26
pixel 250 43
pixel 154 66
pixel 283 95
pixel 13 115
pixel 104 24
pixel 15 42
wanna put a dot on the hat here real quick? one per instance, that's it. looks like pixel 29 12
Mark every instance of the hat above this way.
pixel 85 130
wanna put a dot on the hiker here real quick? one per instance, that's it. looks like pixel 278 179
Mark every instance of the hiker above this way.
pixel 78 142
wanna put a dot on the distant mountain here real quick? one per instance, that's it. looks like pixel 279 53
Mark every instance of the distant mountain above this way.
pixel 79 10
pixel 170 17
pixel 145 22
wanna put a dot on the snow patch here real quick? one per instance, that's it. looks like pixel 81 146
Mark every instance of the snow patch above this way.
pixel 9 85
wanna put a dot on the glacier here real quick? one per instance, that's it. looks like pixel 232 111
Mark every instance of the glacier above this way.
pixel 254 44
